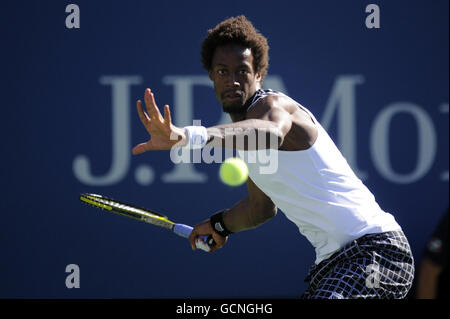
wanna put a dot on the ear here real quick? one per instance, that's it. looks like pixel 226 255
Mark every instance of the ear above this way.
pixel 210 73
pixel 258 78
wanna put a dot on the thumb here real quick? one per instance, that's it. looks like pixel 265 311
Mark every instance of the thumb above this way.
pixel 140 148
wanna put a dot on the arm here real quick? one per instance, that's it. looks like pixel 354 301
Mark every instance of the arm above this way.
pixel 428 279
pixel 250 212
pixel 434 261
pixel 267 118
pixel 265 128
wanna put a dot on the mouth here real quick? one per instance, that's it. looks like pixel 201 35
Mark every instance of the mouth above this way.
pixel 232 95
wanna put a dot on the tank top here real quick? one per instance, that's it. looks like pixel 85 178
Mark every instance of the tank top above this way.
pixel 318 191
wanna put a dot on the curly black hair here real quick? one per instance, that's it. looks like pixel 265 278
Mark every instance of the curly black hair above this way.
pixel 237 30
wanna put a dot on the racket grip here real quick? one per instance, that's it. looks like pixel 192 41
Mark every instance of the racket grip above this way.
pixel 203 242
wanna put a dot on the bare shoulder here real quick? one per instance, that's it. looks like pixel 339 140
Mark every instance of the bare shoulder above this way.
pixel 303 130
pixel 269 103
pixel 279 103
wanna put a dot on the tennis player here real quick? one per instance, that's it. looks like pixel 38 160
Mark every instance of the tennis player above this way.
pixel 361 251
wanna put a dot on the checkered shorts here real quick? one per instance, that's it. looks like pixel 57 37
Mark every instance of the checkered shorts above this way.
pixel 373 266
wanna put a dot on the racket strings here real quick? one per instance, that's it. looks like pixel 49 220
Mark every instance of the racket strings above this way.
pixel 123 206
pixel 127 210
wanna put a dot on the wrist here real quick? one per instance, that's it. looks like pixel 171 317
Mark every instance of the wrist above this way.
pixel 178 136
pixel 195 136
pixel 218 224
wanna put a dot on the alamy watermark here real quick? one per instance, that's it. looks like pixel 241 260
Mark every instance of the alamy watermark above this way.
pixel 373 19
pixel 254 146
pixel 373 276
pixel 73 19
pixel 73 279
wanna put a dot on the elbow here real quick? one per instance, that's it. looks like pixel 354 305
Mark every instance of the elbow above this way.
pixel 275 138
pixel 281 131
pixel 280 140
pixel 272 212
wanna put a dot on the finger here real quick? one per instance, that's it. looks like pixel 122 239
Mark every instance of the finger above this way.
pixel 152 109
pixel 213 249
pixel 145 119
pixel 220 241
pixel 140 148
pixel 167 115
pixel 216 247
pixel 192 238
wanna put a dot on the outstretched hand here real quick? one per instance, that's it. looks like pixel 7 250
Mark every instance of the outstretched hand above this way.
pixel 163 134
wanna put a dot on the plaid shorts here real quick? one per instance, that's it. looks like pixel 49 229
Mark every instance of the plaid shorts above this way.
pixel 373 266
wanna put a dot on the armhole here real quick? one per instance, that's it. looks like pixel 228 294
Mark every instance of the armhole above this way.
pixel 311 116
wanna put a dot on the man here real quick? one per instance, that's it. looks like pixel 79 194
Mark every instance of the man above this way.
pixel 433 271
pixel 361 250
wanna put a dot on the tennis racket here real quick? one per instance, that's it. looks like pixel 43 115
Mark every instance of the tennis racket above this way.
pixel 144 215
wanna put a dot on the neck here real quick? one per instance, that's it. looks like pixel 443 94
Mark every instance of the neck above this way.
pixel 236 117
pixel 239 116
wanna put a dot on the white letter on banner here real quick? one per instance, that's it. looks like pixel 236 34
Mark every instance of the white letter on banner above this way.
pixel 120 135
pixel 342 101
pixel 184 172
pixel 379 144
pixel 183 115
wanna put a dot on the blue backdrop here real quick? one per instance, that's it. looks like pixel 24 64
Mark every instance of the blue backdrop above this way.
pixel 69 122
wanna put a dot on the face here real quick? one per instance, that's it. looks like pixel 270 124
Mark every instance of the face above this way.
pixel 234 77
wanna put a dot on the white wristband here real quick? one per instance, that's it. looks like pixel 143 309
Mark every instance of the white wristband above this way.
pixel 197 136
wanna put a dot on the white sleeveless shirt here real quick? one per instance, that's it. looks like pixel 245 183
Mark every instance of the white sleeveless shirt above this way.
pixel 318 191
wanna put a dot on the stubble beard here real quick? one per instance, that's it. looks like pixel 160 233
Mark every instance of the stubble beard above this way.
pixel 237 107
pixel 234 109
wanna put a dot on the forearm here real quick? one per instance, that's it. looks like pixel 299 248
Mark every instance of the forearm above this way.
pixel 251 134
pixel 244 216
pixel 428 279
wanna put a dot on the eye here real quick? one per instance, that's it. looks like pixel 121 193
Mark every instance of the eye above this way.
pixel 221 71
pixel 243 72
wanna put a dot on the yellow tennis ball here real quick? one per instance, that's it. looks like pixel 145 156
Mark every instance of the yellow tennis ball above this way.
pixel 233 171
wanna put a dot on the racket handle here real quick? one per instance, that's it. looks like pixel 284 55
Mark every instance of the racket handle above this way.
pixel 203 242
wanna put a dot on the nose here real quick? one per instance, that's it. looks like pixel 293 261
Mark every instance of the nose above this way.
pixel 232 81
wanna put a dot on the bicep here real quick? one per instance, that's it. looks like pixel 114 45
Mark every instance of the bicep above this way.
pixel 281 118
pixel 273 110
